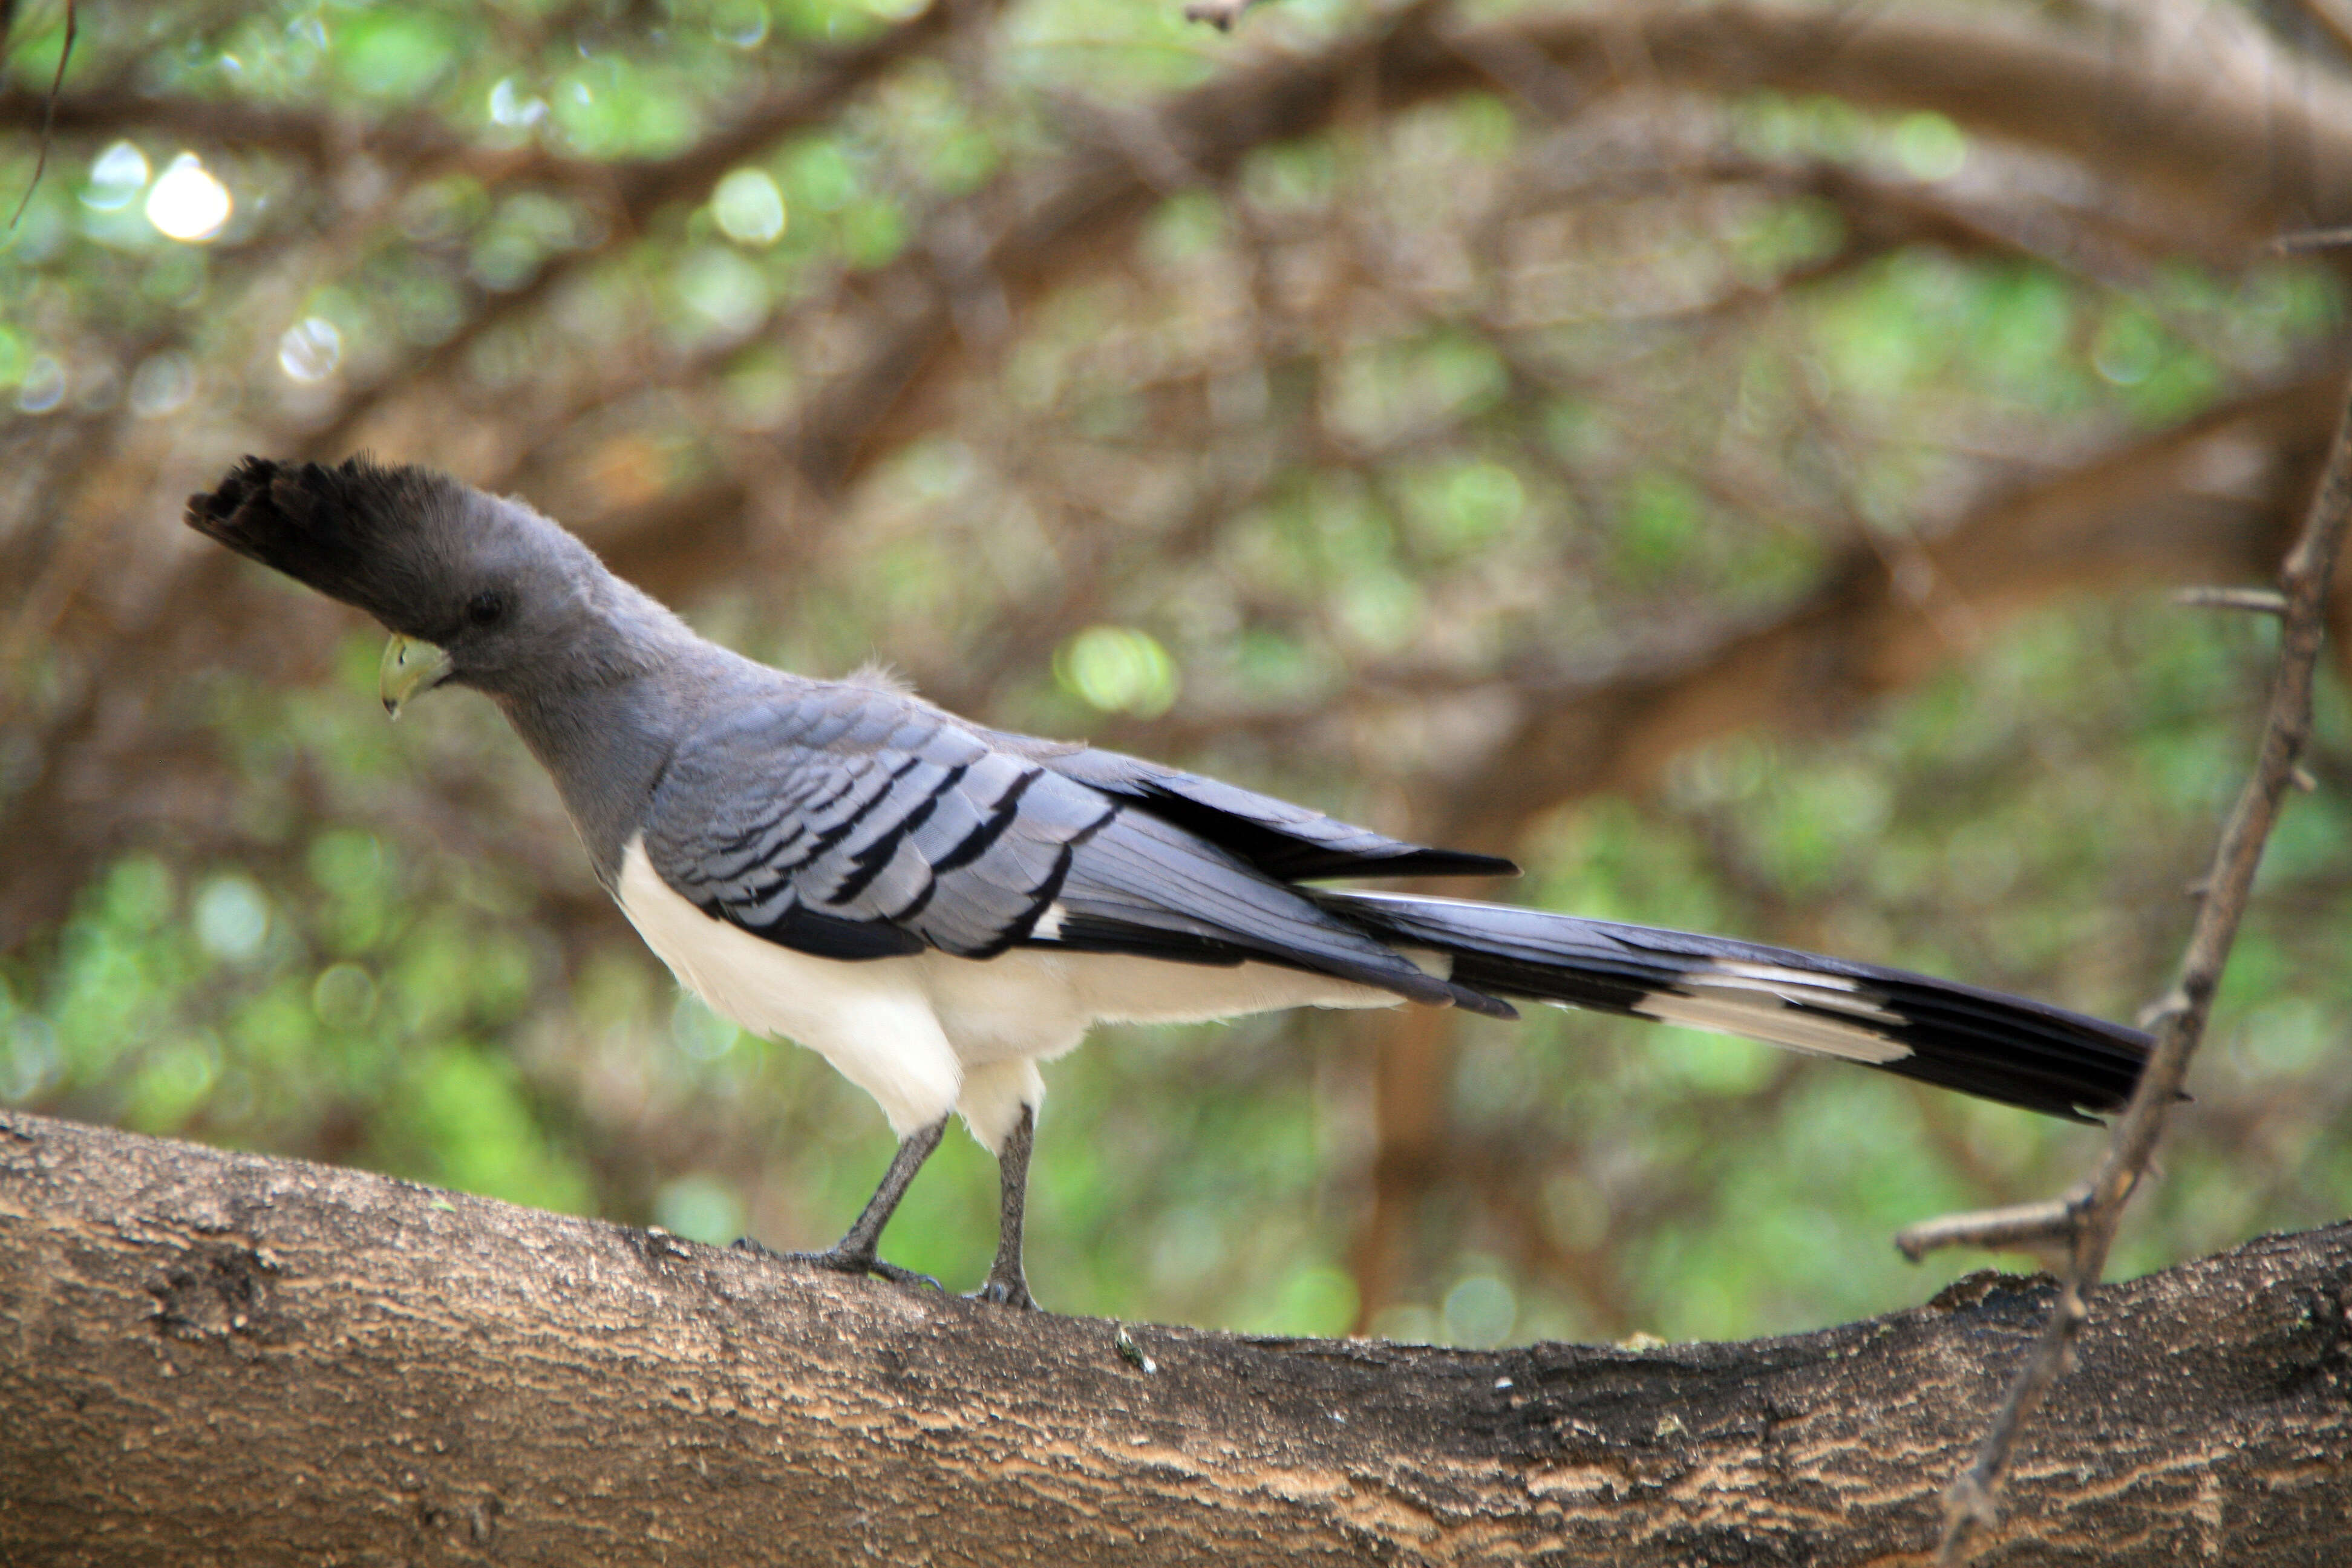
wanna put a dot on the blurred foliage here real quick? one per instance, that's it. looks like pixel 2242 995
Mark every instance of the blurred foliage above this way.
pixel 1416 409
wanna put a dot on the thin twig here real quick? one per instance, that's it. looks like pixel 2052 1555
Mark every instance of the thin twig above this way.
pixel 1219 13
pixel 49 112
pixel 2086 1219
pixel 2257 601
pixel 2018 1227
pixel 2312 239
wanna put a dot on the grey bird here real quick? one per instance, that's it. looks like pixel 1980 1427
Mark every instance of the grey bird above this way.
pixel 936 907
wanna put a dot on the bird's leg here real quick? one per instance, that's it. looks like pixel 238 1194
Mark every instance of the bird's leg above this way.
pixel 855 1252
pixel 1007 1282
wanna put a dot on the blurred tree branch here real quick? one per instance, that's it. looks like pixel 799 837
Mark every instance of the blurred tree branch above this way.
pixel 408 140
pixel 2212 498
pixel 278 1361
pixel 413 145
pixel 1032 229
pixel 629 194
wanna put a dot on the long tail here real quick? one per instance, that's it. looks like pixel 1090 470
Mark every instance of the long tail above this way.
pixel 1980 1042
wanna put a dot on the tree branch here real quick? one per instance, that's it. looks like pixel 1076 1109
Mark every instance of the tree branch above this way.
pixel 2085 1222
pixel 216 1354
pixel 313 137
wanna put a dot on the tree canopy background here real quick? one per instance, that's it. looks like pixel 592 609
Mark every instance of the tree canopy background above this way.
pixel 1732 458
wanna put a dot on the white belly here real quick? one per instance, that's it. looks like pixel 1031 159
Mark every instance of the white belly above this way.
pixel 930 1033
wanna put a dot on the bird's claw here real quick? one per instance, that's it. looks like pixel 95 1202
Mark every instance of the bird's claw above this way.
pixel 889 1271
pixel 843 1261
pixel 1004 1292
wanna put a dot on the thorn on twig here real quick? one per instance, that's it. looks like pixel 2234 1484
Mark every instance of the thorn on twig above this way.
pixel 2021 1227
pixel 2300 776
pixel 1219 13
pixel 2312 239
pixel 2152 1017
pixel 2256 601
pixel 49 105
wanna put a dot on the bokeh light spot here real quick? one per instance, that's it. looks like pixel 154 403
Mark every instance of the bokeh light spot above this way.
pixel 1480 1312
pixel 44 386
pixel 116 178
pixel 188 204
pixel 231 919
pixel 511 109
pixel 749 207
pixel 1118 669
pixel 742 22
pixel 724 289
pixel 310 350
pixel 1929 147
pixel 162 384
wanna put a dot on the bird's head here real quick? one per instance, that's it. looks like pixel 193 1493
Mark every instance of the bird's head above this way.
pixel 475 588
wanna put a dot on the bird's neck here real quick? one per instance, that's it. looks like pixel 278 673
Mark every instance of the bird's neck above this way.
pixel 606 746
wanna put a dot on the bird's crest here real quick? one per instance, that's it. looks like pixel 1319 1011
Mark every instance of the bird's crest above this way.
pixel 357 531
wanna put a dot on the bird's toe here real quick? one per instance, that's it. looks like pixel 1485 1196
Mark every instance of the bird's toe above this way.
pixel 1005 1292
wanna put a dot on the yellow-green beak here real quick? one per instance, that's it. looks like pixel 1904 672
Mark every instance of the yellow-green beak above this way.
pixel 410 667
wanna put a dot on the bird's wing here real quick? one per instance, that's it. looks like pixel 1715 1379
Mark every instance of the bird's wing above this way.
pixel 1278 838
pixel 854 824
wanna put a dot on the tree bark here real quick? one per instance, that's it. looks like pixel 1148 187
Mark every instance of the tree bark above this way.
pixel 217 1357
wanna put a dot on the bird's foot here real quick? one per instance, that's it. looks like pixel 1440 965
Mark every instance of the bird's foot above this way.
pixel 880 1270
pixel 843 1260
pixel 1006 1291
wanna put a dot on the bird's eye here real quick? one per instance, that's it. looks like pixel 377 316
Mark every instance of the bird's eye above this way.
pixel 485 607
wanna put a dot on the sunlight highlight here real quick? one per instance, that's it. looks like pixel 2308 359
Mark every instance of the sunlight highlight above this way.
pixel 188 204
